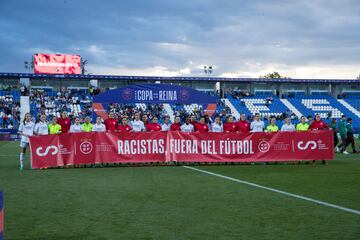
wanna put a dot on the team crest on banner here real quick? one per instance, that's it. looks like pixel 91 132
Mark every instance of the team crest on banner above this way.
pixel 127 94
pixel 264 145
pixel 184 95
pixel 86 146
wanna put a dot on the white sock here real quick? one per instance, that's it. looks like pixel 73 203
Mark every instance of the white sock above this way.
pixel 21 158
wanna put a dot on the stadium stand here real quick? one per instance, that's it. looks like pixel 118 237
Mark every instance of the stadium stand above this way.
pixel 51 103
pixel 325 105
pixel 75 98
pixel 266 104
pixel 78 103
pixel 9 109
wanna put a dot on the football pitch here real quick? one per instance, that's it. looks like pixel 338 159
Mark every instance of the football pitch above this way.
pixel 181 203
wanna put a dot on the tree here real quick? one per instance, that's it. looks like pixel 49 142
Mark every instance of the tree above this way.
pixel 273 75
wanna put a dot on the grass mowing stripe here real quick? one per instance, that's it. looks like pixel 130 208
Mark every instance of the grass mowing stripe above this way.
pixel 277 191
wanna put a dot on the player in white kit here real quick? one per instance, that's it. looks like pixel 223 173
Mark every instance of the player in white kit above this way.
pixel 257 125
pixel 216 126
pixel 42 128
pixel 26 130
pixel 166 126
pixel 187 126
pixel 137 125
pixel 99 126
pixel 288 127
pixel 76 127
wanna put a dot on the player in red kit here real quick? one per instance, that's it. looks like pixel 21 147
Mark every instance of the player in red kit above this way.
pixel 230 126
pixel 64 122
pixel 201 126
pixel 111 123
pixel 243 126
pixel 318 124
pixel 155 126
pixel 147 123
pixel 176 126
pixel 124 126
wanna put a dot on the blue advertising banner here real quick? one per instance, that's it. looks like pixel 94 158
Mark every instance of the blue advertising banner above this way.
pixel 155 94
pixel 9 135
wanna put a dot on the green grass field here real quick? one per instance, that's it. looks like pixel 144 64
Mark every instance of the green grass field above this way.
pixel 179 203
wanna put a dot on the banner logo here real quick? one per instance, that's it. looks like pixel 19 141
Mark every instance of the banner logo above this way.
pixel 86 147
pixel 184 95
pixel 264 146
pixel 127 94
pixel 311 144
pixel 54 150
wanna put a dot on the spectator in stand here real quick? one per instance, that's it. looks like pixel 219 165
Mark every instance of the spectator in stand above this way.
pixel 272 126
pixel 343 134
pixel 350 136
pixel 155 126
pixel 318 124
pixel 166 126
pixel 26 130
pixel 187 126
pixel 146 122
pixel 87 125
pixel 41 128
pixel 217 126
pixel 9 112
pixel 201 126
pixel 288 126
pixel 303 126
pixel 11 125
pixel 111 123
pixel 99 126
pixel 64 122
pixel 257 125
pixel 124 126
pixel 176 126
pixel 230 126
pixel 54 127
pixel 138 125
pixel 243 126
pixel 76 127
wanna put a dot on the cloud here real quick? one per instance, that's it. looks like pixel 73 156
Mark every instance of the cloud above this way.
pixel 305 38
pixel 173 46
pixel 95 50
pixel 149 71
pixel 305 72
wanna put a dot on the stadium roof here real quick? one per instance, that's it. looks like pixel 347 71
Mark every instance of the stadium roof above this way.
pixel 158 78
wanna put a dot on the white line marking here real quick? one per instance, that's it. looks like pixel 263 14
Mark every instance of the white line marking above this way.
pixel 277 191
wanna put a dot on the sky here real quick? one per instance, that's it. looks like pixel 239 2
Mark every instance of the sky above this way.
pixel 297 38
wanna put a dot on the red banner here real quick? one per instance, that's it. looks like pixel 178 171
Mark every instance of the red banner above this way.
pixel 57 63
pixel 96 147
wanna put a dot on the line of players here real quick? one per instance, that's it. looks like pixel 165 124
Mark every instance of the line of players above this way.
pixel 63 125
